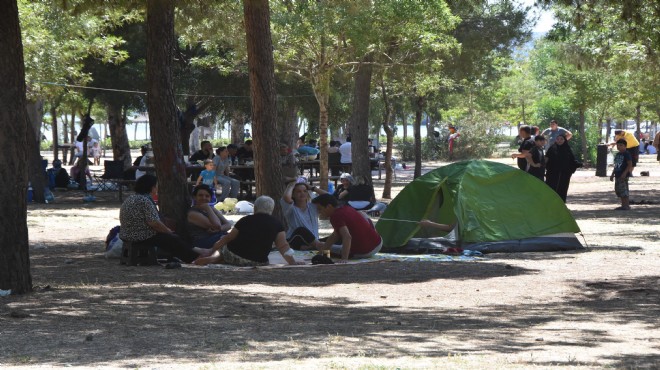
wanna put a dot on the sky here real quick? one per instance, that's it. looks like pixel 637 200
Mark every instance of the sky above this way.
pixel 546 20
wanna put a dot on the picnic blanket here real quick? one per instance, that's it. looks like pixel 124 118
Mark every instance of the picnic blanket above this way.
pixel 277 261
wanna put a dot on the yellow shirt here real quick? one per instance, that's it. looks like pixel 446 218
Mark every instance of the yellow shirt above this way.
pixel 630 139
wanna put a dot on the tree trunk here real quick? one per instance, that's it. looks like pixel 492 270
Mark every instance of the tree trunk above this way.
pixel 389 133
pixel 237 127
pixel 323 137
pixel 14 254
pixel 53 116
pixel 121 150
pixel 638 121
pixel 583 136
pixel 404 122
pixel 523 112
pixel 36 173
pixel 419 105
pixel 261 67
pixel 173 196
pixel 193 110
pixel 72 152
pixel 65 136
pixel 359 123
pixel 608 129
pixel 287 128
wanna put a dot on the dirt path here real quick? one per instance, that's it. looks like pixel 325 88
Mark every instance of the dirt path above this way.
pixel 592 309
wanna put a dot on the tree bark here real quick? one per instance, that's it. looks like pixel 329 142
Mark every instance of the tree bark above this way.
pixel 65 136
pixel 193 110
pixel 237 127
pixel 359 123
pixel 261 67
pixel 36 173
pixel 173 196
pixel 608 129
pixel 288 124
pixel 638 121
pixel 121 150
pixel 583 136
pixel 14 253
pixel 404 122
pixel 419 106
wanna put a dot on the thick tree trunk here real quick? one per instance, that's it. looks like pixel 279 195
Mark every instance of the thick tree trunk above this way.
pixel 261 67
pixel 419 106
pixel 193 110
pixel 323 141
pixel 173 196
pixel 359 123
pixel 608 129
pixel 36 172
pixel 583 136
pixel 14 255
pixel 237 127
pixel 287 127
pixel 121 150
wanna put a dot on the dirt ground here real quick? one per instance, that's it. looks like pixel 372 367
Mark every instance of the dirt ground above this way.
pixel 597 308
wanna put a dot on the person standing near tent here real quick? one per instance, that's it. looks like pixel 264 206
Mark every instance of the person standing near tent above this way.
pixel 560 166
pixel 623 167
pixel 526 144
pixel 358 236
pixel 632 144
pixel 555 130
pixel 536 158
pixel 453 136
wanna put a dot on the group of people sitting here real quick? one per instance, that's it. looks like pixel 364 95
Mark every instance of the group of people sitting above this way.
pixel 211 238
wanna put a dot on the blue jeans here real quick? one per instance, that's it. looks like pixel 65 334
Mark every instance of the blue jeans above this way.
pixel 230 187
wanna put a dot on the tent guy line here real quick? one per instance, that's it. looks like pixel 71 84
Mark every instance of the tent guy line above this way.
pixel 144 92
pixel 397 220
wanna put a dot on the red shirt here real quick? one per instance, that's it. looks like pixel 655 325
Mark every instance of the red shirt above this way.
pixel 364 237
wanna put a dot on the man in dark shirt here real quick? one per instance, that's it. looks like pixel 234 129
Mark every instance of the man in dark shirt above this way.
pixel 205 153
pixel 526 144
pixel 245 152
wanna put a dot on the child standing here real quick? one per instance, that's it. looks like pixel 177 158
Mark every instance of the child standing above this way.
pixel 207 176
pixel 95 152
pixel 536 158
pixel 623 167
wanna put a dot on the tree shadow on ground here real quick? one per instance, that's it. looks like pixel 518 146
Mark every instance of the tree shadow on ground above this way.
pixel 96 315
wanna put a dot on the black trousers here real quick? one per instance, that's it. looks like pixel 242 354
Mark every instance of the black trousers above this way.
pixel 301 237
pixel 174 245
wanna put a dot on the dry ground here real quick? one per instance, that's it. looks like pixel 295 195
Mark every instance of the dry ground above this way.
pixel 591 309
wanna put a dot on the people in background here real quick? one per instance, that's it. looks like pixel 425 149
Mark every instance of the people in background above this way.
pixel 95 153
pixel 230 185
pixel 560 166
pixel 309 150
pixel 536 158
pixel 553 131
pixel 358 236
pixel 233 149
pixel 246 152
pixel 632 144
pixel 60 178
pixel 250 241
pixel 526 144
pixel 205 153
pixel 345 151
pixel 334 145
pixel 361 194
pixel 623 167
pixel 206 225
pixel 140 223
pixel 80 170
pixel 208 175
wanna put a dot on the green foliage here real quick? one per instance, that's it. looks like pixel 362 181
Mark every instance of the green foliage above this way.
pixel 558 108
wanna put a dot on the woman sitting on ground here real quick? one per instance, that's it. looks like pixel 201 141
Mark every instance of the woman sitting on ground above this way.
pixel 140 223
pixel 206 225
pixel 301 216
pixel 341 191
pixel 251 239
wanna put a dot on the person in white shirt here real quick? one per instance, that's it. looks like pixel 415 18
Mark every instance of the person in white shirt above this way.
pixel 345 151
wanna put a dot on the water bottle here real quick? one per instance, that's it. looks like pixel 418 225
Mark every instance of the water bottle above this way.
pixel 331 187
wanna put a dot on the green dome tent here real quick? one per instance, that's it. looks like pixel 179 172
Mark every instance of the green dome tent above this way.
pixel 497 208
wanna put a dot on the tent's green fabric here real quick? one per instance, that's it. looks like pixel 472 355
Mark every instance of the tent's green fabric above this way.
pixel 490 201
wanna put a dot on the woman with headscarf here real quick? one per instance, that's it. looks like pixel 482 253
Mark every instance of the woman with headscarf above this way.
pixel 560 166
